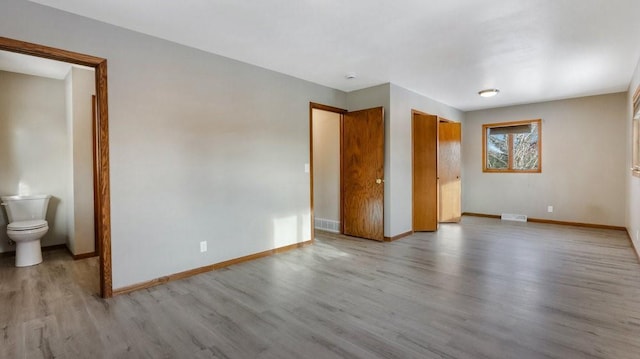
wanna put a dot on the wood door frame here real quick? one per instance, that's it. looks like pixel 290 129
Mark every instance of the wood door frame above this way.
pixel 317 106
pixel 440 121
pixel 100 139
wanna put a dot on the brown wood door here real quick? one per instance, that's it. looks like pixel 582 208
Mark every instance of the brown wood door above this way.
pixel 425 172
pixel 449 136
pixel 362 173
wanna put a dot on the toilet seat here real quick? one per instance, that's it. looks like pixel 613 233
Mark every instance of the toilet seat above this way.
pixel 26 225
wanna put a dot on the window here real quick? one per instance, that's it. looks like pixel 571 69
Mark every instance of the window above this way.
pixel 512 146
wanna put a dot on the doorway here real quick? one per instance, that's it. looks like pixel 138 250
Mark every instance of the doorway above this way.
pixel 100 139
pixel 449 183
pixel 436 171
pixel 326 132
pixel 356 168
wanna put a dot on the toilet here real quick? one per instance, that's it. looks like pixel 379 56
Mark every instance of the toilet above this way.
pixel 27 225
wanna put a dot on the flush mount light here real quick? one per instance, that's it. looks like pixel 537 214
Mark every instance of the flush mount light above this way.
pixel 351 75
pixel 488 92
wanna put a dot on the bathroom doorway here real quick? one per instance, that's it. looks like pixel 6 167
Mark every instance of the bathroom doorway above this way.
pixel 326 202
pixel 100 145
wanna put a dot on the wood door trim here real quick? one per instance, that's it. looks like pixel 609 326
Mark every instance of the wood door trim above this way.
pixel 341 175
pixel 449 154
pixel 102 207
pixel 94 133
pixel 438 199
pixel 413 112
pixel 317 106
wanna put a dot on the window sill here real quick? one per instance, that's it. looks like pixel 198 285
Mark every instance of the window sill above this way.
pixel 513 171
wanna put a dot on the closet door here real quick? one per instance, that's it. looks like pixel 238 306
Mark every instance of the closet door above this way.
pixel 425 172
pixel 449 138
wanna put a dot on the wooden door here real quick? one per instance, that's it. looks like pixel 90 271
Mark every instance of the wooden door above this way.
pixel 449 136
pixel 362 173
pixel 425 172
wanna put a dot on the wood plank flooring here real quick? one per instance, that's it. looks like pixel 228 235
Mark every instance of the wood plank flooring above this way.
pixel 478 289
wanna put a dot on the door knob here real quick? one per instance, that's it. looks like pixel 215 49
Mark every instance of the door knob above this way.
pixel 379 180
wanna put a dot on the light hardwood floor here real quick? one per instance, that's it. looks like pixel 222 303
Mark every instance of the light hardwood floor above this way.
pixel 481 289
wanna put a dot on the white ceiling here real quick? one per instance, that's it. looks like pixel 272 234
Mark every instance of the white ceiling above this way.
pixel 532 50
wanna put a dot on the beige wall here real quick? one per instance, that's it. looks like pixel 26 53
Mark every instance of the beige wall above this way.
pixel 584 162
pixel 401 175
pixel 326 165
pixel 398 103
pixel 632 183
pixel 33 148
pixel 208 148
pixel 80 88
pixel 202 148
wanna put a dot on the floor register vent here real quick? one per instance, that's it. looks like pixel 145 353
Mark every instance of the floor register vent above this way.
pixel 327 225
pixel 514 217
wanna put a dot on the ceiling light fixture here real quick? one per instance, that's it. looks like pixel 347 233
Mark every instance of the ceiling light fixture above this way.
pixel 488 92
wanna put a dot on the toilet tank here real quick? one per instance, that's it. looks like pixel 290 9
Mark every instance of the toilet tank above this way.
pixel 24 208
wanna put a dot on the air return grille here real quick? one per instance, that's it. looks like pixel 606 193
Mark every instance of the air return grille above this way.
pixel 327 225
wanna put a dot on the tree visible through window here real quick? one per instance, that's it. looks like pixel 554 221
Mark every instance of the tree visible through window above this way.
pixel 512 146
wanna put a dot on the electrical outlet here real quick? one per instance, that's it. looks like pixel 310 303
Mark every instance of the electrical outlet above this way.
pixel 549 209
pixel 203 246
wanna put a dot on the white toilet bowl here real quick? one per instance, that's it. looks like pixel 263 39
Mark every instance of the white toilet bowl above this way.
pixel 27 225
pixel 27 235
